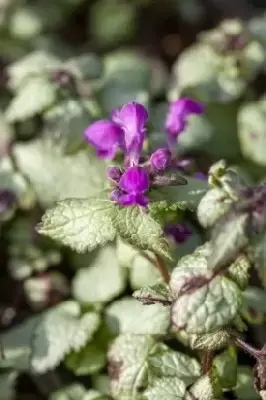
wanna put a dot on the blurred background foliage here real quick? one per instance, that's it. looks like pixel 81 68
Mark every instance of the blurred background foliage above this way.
pixel 64 64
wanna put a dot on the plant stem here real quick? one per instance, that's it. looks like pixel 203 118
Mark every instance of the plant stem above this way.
pixel 159 264
pixel 207 361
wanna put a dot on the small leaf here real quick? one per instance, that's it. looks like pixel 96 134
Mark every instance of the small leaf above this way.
pixel 169 363
pixel 212 206
pixel 159 293
pixel 228 239
pixel 210 341
pixel 89 360
pixel 43 164
pixel 239 271
pixel 128 365
pixel 102 280
pixel 139 229
pixel 81 224
pixel 35 96
pixel 74 391
pixel 166 389
pixel 61 330
pixel 226 367
pixel 129 316
pixel 204 389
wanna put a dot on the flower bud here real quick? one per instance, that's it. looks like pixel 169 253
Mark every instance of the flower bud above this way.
pixel 114 173
pixel 160 160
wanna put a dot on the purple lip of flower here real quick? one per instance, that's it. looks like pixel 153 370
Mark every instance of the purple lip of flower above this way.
pixel 160 160
pixel 179 232
pixel 133 184
pixel 178 113
pixel 126 130
pixel 105 136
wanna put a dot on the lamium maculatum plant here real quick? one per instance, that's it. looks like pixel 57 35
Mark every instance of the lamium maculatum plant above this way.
pixel 132 204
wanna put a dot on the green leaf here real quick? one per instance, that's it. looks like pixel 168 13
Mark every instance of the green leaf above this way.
pixel 34 97
pixel 61 330
pixel 130 316
pixel 111 22
pixel 239 271
pixel 169 363
pixel 86 66
pixel 206 307
pixel 75 391
pixel 128 365
pixel 226 367
pixel 205 389
pixel 251 131
pixel 125 253
pixel 245 384
pixel 143 272
pixel 127 77
pixel 7 384
pixel 179 197
pixel 32 65
pixel 88 360
pixel 254 298
pixel 16 343
pixel 228 238
pixel 44 164
pixel 81 224
pixel 210 341
pixel 139 229
pixel 66 122
pixel 159 293
pixel 166 389
pixel 102 280
pixel 212 206
pixel 102 384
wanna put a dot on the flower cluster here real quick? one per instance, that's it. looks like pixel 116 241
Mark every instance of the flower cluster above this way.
pixel 125 131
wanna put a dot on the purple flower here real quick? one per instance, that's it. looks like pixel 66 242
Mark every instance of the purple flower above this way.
pixel 178 113
pixel 160 160
pixel 132 118
pixel 126 131
pixel 133 184
pixel 179 232
pixel 105 136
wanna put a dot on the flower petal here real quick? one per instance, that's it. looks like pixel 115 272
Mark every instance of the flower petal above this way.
pixel 179 110
pixel 132 118
pixel 179 232
pixel 133 199
pixel 105 136
pixel 135 180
